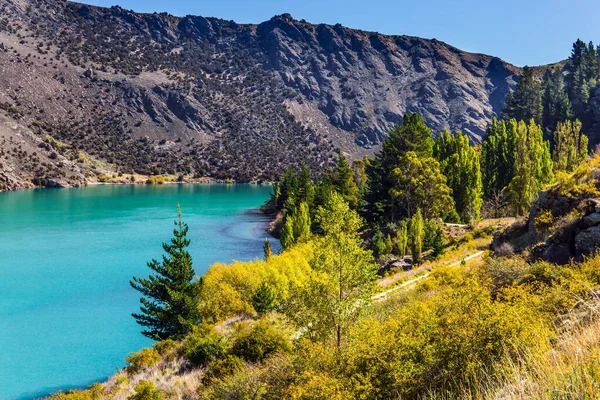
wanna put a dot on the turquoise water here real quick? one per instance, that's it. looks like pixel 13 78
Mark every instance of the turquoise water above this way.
pixel 66 258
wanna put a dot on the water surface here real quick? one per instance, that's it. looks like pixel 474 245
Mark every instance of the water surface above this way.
pixel 66 258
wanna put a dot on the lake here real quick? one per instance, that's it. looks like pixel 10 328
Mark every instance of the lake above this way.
pixel 66 259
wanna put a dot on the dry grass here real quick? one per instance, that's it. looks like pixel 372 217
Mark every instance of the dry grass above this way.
pixel 570 370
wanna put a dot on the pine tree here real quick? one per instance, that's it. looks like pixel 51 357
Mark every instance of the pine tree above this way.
pixel 416 233
pixel 263 299
pixel 555 100
pixel 343 181
pixel 525 102
pixel 267 249
pixel 170 296
pixel 412 135
pixel 306 191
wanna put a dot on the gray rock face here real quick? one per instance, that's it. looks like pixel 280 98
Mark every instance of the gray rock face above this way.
pixel 364 82
pixel 592 220
pixel 587 242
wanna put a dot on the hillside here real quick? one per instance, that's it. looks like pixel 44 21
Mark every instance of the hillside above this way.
pixel 151 94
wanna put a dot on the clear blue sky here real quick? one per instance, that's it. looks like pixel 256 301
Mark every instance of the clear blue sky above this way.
pixel 522 32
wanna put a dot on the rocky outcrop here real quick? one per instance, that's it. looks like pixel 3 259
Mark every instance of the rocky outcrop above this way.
pixel 560 228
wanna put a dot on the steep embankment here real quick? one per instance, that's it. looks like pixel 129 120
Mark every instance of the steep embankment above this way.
pixel 563 223
pixel 158 94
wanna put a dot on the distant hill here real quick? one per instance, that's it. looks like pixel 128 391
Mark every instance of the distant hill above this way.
pixel 109 91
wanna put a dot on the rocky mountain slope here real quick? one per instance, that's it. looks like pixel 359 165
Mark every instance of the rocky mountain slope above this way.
pixel 157 94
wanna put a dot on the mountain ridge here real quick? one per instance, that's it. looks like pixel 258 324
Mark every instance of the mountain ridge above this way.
pixel 158 94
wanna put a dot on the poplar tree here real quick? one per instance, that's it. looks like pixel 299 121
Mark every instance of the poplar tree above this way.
pixel 570 146
pixel 170 299
pixel 459 162
pixel 402 239
pixel 416 233
pixel 533 166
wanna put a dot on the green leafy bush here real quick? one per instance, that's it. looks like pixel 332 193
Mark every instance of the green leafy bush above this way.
pixel 259 342
pixel 200 348
pixel 146 390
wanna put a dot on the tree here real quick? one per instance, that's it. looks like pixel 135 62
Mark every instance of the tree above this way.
pixel 416 232
pixel 556 106
pixel 306 191
pixel 419 184
pixel 287 238
pixel 533 166
pixel 170 297
pixel 570 146
pixel 412 135
pixel 267 249
pixel 264 299
pixel 525 102
pixel 379 249
pixel 389 244
pixel 301 224
pixel 433 237
pixel 498 154
pixel 343 181
pixel 343 279
pixel 459 162
pixel 402 239
pixel 296 227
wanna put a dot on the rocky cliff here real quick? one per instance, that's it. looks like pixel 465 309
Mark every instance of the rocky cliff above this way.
pixel 158 94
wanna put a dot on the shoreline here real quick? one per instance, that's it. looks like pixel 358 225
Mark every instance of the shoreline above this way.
pixel 142 183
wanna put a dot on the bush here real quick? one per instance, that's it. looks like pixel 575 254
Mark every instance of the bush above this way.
pixel 504 250
pixel 259 342
pixel 146 358
pixel 221 368
pixel 155 180
pixel 202 348
pixel 146 391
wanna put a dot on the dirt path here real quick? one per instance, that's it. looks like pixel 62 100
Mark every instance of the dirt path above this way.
pixel 383 295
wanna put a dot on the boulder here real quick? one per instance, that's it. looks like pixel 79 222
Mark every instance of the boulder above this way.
pixel 591 220
pixel 588 241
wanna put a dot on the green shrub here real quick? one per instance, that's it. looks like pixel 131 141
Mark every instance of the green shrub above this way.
pixel 166 349
pixel 155 180
pixel 201 348
pixel 261 341
pixel 146 391
pixel 221 368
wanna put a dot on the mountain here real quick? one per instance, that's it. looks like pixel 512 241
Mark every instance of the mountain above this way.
pixel 90 93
